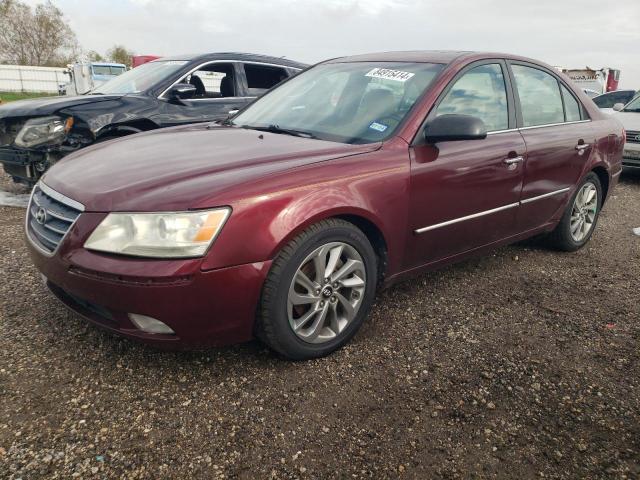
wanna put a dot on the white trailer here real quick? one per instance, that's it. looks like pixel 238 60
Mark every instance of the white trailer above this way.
pixel 18 78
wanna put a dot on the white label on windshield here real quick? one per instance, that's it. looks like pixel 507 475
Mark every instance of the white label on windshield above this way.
pixel 380 127
pixel 397 75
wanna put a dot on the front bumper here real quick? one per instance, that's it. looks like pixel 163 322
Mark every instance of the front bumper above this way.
pixel 203 308
pixel 23 165
pixel 631 155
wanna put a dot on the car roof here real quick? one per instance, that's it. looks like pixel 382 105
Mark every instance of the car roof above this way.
pixel 430 56
pixel 245 57
pixel 426 56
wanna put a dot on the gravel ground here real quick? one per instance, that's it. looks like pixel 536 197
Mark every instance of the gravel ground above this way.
pixel 521 364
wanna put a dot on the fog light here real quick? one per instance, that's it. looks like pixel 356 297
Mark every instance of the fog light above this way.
pixel 150 325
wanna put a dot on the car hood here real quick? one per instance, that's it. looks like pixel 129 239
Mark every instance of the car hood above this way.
pixel 38 107
pixel 183 168
pixel 629 120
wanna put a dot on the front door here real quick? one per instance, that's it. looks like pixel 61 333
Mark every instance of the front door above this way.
pixel 219 91
pixel 559 141
pixel 465 194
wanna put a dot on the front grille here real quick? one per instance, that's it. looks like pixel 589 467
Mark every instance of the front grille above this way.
pixel 633 137
pixel 49 218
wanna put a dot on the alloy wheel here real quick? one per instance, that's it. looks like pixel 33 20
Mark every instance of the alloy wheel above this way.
pixel 326 292
pixel 583 213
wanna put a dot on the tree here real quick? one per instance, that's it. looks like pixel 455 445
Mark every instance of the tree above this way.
pixel 119 54
pixel 94 56
pixel 37 36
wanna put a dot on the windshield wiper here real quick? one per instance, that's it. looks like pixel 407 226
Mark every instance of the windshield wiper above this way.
pixel 277 129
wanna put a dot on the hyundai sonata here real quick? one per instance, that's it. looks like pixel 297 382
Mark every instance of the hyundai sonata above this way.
pixel 282 222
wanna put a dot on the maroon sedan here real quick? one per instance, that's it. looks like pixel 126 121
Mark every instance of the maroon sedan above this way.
pixel 284 221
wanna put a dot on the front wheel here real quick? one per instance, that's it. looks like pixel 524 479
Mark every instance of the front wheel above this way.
pixel 579 219
pixel 318 292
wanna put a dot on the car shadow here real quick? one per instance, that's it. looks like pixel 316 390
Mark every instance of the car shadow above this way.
pixel 630 176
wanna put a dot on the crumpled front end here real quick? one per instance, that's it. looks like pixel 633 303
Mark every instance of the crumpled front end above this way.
pixel 26 164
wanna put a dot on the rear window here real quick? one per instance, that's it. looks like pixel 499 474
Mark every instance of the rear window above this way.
pixel 608 100
pixel 540 98
pixel 261 78
pixel 571 106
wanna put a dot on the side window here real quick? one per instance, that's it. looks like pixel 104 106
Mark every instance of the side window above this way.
pixel 539 93
pixel 571 105
pixel 481 92
pixel 261 78
pixel 216 80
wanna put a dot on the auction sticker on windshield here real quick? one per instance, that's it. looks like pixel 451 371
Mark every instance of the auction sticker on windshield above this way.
pixel 388 74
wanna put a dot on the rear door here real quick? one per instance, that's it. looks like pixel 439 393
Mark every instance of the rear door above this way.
pixel 465 194
pixel 559 140
pixel 259 78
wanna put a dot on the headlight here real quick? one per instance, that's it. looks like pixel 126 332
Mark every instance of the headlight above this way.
pixel 39 131
pixel 158 235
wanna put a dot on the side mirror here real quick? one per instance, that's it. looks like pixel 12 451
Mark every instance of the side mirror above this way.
pixel 618 107
pixel 181 91
pixel 452 127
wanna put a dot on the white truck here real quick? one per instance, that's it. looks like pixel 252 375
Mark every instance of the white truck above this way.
pixel 601 81
pixel 85 76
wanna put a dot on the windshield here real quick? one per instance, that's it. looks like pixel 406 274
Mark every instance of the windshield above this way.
pixel 107 70
pixel 360 102
pixel 633 105
pixel 140 78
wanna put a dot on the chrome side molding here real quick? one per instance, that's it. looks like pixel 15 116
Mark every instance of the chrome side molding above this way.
pixel 489 212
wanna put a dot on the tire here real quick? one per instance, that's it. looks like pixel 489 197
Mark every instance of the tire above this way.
pixel 562 237
pixel 284 304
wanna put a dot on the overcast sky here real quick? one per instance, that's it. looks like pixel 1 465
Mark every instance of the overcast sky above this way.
pixel 569 33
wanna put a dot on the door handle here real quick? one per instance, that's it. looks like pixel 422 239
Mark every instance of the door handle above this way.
pixel 581 147
pixel 513 161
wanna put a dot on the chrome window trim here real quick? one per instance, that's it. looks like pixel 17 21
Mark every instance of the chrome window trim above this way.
pixel 161 96
pixel 497 132
pixel 489 212
pixel 213 99
pixel 554 124
pixel 62 199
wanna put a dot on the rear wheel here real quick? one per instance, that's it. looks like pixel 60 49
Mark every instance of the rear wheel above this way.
pixel 318 292
pixel 579 219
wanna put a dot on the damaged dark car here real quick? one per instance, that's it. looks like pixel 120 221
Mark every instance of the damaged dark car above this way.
pixel 35 134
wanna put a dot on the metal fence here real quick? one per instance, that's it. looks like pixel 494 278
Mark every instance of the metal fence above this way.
pixel 17 78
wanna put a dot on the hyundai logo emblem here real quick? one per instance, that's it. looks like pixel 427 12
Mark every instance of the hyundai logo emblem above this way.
pixel 41 216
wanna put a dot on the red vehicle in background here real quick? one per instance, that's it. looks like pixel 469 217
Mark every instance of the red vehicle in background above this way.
pixel 283 221
pixel 138 60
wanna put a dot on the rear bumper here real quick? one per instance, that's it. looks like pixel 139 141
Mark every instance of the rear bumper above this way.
pixel 204 309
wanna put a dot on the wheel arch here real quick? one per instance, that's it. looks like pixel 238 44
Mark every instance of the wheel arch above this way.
pixel 603 176
pixel 127 128
pixel 362 219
